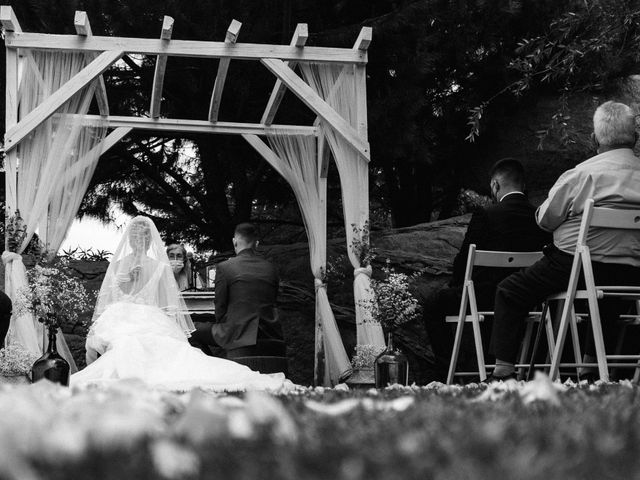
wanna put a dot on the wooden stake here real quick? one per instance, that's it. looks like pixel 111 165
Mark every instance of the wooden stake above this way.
pixel 216 96
pixel 305 93
pixel 161 65
pixel 83 29
pixel 299 39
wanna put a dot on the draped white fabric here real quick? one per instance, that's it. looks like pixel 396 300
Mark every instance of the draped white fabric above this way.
pixel 54 165
pixel 337 86
pixel 299 167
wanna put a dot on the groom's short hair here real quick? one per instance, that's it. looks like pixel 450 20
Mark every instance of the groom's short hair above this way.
pixel 247 231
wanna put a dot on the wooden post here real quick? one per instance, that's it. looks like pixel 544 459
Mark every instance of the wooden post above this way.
pixel 310 98
pixel 299 40
pixel 216 96
pixel 320 369
pixel 161 66
pixel 10 24
pixel 83 29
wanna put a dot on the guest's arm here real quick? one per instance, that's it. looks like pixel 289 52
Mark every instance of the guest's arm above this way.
pixel 561 201
pixel 476 233
pixel 221 294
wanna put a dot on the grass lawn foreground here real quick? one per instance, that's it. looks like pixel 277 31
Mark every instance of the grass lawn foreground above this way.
pixel 534 430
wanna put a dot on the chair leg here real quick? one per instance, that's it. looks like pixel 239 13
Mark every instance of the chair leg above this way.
pixel 544 316
pixel 577 353
pixel 524 347
pixel 456 349
pixel 458 338
pixel 594 312
pixel 562 335
pixel 477 335
pixel 636 376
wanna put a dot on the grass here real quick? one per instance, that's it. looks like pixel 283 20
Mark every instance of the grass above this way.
pixel 522 432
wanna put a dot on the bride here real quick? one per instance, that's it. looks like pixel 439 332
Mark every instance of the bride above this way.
pixel 141 325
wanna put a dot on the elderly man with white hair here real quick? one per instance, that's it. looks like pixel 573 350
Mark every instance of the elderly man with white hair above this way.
pixel 612 179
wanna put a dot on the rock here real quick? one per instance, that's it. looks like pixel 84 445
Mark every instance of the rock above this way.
pixel 427 249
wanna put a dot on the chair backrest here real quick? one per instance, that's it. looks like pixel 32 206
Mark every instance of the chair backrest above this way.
pixel 496 259
pixel 486 258
pixel 607 218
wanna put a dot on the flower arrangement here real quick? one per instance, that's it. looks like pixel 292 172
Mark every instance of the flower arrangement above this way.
pixel 365 356
pixel 361 245
pixel 393 304
pixel 53 294
pixel 15 360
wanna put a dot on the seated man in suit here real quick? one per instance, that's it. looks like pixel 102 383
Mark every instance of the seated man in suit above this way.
pixel 509 225
pixel 246 290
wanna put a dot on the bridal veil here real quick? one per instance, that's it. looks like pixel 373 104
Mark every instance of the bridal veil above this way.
pixel 140 273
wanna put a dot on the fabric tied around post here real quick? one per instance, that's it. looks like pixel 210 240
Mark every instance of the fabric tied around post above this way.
pixel 23 328
pixel 368 330
pixel 363 271
pixel 338 367
pixel 319 284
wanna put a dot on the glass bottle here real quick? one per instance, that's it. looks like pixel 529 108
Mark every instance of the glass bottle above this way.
pixel 391 366
pixel 51 365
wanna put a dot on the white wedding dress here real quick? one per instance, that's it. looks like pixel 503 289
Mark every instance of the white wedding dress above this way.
pixel 141 332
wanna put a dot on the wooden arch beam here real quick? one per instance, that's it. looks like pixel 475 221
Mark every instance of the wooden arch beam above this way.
pixel 83 29
pixel 310 98
pixel 185 48
pixel 299 40
pixel 216 96
pixel 48 107
pixel 161 66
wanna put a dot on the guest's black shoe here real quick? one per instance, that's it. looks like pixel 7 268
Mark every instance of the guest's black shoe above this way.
pixel 496 378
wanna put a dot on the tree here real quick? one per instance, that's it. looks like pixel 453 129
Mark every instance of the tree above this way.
pixel 431 61
pixel 590 47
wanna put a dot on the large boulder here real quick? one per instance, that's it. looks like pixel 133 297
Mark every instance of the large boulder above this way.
pixel 427 249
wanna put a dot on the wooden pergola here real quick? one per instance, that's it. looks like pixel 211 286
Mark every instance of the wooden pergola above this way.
pixel 102 52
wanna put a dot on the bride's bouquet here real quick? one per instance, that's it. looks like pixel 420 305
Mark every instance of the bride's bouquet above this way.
pixel 53 295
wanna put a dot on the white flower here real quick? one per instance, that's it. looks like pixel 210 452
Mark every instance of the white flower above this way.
pixel 240 425
pixel 541 388
pixel 333 409
pixel 172 460
pixel 264 409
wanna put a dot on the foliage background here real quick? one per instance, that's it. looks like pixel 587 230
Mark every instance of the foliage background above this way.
pixel 519 78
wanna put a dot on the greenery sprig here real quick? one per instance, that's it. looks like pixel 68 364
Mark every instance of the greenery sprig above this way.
pixel 52 295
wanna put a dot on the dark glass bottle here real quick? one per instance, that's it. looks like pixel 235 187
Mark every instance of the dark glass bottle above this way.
pixel 392 366
pixel 51 365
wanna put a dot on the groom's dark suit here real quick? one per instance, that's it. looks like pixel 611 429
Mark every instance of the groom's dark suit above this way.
pixel 246 294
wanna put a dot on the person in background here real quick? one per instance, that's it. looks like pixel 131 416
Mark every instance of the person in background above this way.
pixel 5 316
pixel 507 225
pixel 611 179
pixel 182 265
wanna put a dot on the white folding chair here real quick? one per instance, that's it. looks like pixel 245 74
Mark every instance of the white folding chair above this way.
pixel 485 258
pixel 603 218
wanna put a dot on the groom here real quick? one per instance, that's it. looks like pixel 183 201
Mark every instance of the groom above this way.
pixel 246 290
